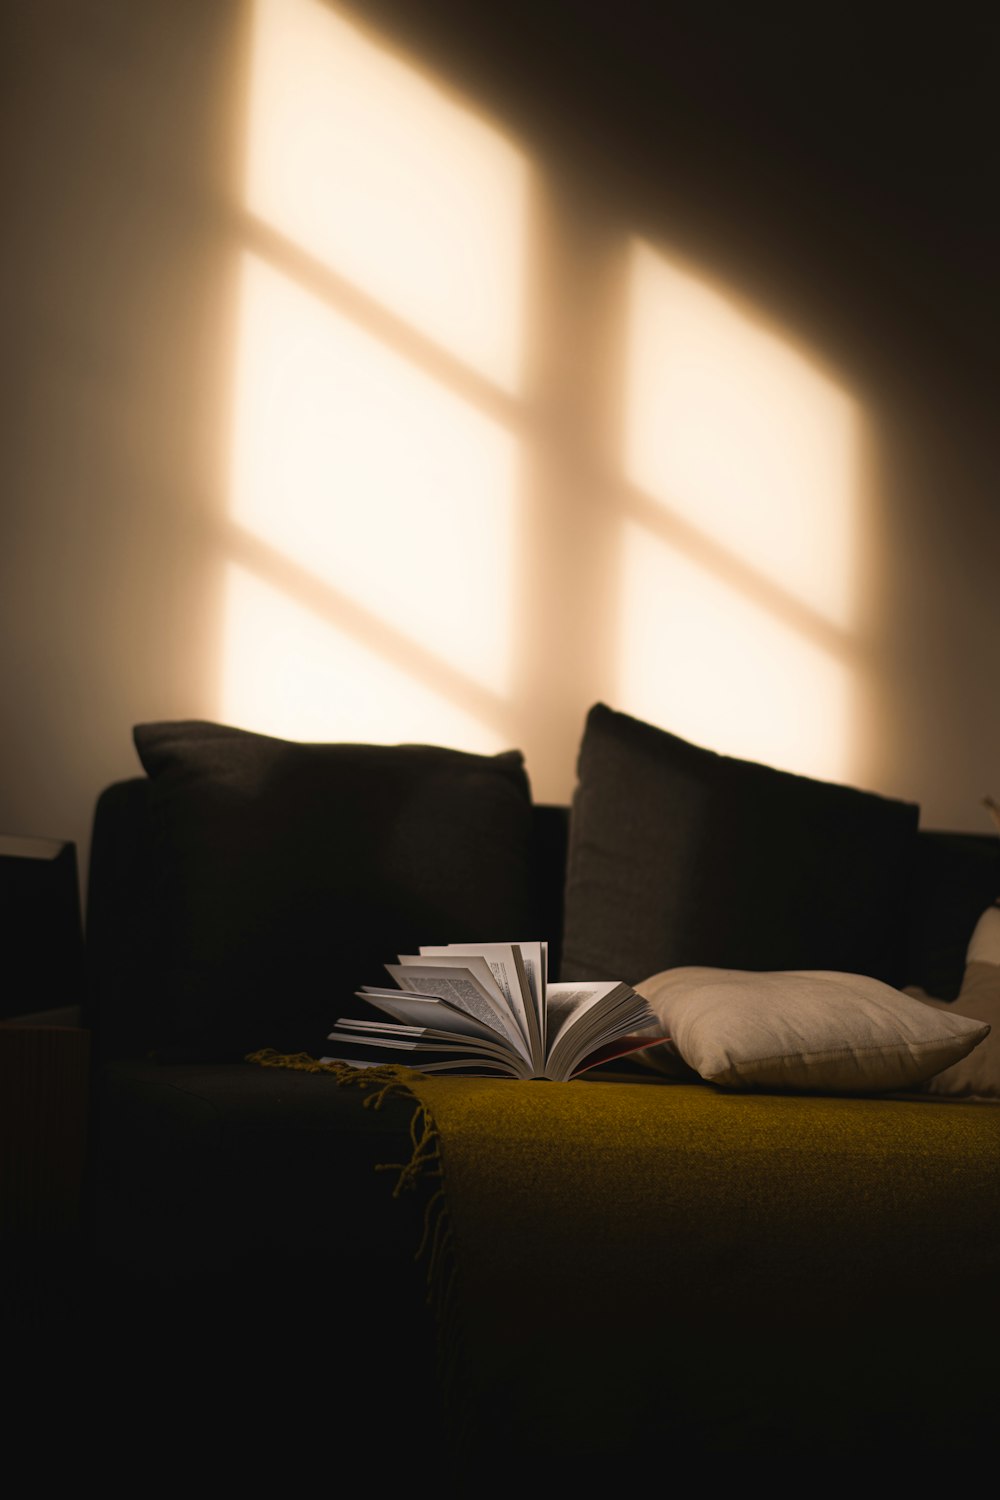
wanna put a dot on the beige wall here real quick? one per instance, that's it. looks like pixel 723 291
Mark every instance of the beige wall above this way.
pixel 125 131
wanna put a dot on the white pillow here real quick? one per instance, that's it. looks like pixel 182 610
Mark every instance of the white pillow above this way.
pixel 984 944
pixel 976 1076
pixel 802 1029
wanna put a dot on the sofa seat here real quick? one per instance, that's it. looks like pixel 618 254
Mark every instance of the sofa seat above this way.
pixel 212 1170
pixel 766 1281
pixel 773 1287
pixel 245 1259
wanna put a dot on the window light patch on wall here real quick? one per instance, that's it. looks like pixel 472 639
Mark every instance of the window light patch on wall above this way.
pixel 699 658
pixel 351 462
pixel 292 673
pixel 732 429
pixel 373 169
pixel 740 559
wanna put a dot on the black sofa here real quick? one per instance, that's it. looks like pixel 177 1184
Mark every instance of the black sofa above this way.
pixel 247 1264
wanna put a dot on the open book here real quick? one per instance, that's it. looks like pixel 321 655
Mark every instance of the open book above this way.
pixel 489 1008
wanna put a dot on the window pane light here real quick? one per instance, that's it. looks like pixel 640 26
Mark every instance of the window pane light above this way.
pixel 701 660
pixel 740 563
pixel 354 465
pixel 732 429
pixel 291 673
pixel 372 169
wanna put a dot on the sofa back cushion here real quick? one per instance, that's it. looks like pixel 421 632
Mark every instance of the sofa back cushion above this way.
pixel 681 856
pixel 283 875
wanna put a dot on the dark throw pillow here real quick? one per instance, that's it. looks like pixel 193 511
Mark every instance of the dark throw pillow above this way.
pixel 286 874
pixel 681 856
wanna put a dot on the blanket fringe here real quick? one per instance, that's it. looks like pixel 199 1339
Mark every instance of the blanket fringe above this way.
pixel 436 1247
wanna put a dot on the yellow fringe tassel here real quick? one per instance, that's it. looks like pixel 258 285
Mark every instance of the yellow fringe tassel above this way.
pixel 425 1157
pixel 436 1245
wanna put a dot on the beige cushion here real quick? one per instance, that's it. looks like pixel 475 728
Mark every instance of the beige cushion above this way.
pixel 805 1030
pixel 984 944
pixel 977 1075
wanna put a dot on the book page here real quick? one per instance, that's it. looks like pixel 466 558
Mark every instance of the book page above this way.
pixel 611 1051
pixel 463 990
pixel 389 1034
pixel 570 1000
pixel 535 956
pixel 507 968
pixel 367 1043
pixel 474 963
pixel 586 1017
pixel 426 1010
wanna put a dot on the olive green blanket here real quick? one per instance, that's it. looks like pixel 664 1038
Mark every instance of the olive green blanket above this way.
pixel 619 1262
